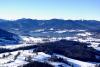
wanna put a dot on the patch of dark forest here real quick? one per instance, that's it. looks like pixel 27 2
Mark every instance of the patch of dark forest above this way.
pixel 71 49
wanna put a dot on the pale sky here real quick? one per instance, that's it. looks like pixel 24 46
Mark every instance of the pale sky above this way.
pixel 48 9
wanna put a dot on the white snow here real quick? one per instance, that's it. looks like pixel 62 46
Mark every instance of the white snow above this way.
pixel 16 63
pixel 41 57
pixel 39 30
pixel 84 34
pixel 66 30
pixel 77 63
pixel 63 31
pixel 51 29
pixel 57 64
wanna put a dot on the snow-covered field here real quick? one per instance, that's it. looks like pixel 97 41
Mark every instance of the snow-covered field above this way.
pixel 22 57
pixel 85 37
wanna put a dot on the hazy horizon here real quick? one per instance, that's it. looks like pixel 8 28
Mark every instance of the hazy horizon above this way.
pixel 48 19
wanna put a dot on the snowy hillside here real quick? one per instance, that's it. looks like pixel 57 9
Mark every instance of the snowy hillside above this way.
pixel 49 43
pixel 8 38
pixel 49 54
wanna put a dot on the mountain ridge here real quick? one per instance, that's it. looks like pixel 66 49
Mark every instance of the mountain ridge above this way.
pixel 8 38
pixel 22 26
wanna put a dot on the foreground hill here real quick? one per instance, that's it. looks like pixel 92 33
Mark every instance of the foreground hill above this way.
pixel 71 49
pixel 52 54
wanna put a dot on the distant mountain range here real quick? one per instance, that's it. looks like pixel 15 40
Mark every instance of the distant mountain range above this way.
pixel 73 43
pixel 25 26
